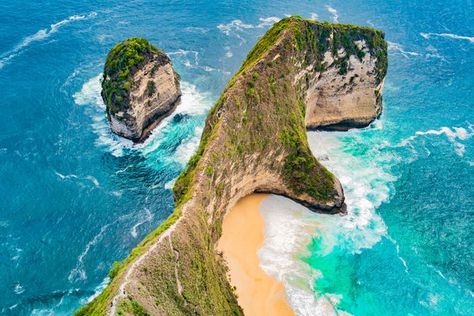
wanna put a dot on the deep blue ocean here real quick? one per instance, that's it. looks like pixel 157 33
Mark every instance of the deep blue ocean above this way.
pixel 74 198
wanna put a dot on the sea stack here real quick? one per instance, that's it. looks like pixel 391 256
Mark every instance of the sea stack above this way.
pixel 139 88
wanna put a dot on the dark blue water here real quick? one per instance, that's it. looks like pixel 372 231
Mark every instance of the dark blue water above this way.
pixel 74 198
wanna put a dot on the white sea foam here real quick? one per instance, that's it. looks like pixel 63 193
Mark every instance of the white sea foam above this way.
pixel 64 177
pixel 234 25
pixel 97 291
pixel 18 289
pixel 454 135
pixel 185 151
pixel 190 59
pixel 395 47
pixel 89 96
pixel 79 273
pixel 289 227
pixel 237 26
pixel 40 36
pixel 92 179
pixel 144 218
pixel 268 21
pixel 194 29
pixel 90 93
pixel 170 184
pixel 228 52
pixel 334 13
pixel 448 35
pixel 181 53
pixel 194 103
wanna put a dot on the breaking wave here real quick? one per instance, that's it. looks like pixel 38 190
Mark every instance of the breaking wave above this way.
pixel 290 227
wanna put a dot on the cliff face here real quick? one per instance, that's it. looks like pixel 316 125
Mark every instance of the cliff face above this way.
pixel 341 101
pixel 254 141
pixel 139 88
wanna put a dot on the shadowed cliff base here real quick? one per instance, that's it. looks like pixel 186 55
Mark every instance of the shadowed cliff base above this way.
pixel 300 74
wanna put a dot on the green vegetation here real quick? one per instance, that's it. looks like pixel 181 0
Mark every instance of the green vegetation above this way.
pixel 150 88
pixel 131 307
pixel 302 172
pixel 115 269
pixel 122 62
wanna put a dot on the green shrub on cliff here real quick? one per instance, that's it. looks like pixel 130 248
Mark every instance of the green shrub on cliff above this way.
pixel 122 62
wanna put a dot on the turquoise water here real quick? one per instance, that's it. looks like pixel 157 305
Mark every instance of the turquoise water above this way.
pixel 74 197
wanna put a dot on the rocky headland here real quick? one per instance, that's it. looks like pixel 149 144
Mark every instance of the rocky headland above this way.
pixel 301 74
pixel 139 88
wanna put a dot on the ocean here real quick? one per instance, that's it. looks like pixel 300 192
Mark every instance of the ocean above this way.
pixel 74 197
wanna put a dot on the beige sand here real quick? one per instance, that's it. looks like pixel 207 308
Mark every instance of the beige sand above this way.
pixel 242 236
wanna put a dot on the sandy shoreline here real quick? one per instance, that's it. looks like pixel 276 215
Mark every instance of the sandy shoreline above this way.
pixel 242 236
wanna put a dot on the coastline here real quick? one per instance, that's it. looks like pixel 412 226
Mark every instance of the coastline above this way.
pixel 242 236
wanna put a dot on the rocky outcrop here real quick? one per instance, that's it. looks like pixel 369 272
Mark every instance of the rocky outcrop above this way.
pixel 254 140
pixel 339 101
pixel 139 88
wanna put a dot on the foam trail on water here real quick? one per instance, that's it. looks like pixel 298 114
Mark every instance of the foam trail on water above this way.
pixel 454 135
pixel 448 35
pixel 147 217
pixel 400 49
pixel 78 273
pixel 237 26
pixel 290 227
pixel 335 15
pixel 40 36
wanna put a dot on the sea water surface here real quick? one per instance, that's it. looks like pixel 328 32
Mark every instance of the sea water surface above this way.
pixel 74 198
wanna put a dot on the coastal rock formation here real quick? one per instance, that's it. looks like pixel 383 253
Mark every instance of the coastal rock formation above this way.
pixel 254 140
pixel 139 88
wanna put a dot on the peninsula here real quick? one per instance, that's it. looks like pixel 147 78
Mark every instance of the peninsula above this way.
pixel 139 88
pixel 301 74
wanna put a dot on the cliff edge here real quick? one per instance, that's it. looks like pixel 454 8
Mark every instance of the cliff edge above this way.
pixel 139 88
pixel 301 74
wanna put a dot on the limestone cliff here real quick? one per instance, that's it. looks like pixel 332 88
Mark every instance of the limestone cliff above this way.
pixel 301 74
pixel 139 88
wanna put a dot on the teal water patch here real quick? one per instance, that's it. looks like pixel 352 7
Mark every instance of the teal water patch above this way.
pixel 404 271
